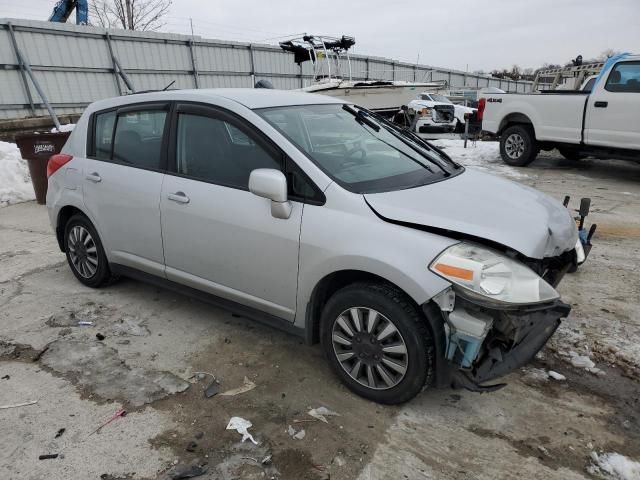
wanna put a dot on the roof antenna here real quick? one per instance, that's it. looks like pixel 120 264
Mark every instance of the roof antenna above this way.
pixel 167 87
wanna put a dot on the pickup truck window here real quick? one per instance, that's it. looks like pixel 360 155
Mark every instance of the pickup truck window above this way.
pixel 440 98
pixel 589 85
pixel 624 77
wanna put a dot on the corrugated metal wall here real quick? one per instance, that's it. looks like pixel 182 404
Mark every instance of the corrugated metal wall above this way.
pixel 74 66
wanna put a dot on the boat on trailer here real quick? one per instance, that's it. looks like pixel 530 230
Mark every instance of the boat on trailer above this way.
pixel 328 55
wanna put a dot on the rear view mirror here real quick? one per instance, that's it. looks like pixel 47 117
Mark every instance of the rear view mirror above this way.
pixel 272 184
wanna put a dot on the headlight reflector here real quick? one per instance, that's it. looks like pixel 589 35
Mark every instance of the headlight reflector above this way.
pixel 491 275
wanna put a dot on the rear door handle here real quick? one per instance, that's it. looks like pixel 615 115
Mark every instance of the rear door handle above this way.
pixel 178 197
pixel 601 104
pixel 94 177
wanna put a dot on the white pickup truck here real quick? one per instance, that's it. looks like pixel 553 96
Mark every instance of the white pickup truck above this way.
pixel 603 122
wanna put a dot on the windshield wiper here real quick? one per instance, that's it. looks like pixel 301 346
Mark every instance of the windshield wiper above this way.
pixel 360 117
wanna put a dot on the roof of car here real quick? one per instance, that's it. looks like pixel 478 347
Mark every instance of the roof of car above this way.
pixel 249 97
pixel 266 97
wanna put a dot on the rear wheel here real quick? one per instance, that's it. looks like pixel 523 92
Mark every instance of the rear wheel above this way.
pixel 85 253
pixel 377 341
pixel 518 146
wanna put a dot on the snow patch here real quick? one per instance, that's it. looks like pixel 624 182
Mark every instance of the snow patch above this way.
pixel 15 182
pixel 614 466
pixel 480 155
pixel 64 128
pixel 557 376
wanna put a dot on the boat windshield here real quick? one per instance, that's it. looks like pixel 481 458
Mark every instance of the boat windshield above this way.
pixel 358 150
pixel 440 98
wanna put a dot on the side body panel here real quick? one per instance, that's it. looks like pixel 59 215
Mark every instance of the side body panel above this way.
pixel 612 117
pixel 344 234
pixel 556 118
pixel 226 242
pixel 125 204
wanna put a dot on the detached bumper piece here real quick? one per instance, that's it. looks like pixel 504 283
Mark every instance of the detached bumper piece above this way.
pixel 514 338
pixel 584 234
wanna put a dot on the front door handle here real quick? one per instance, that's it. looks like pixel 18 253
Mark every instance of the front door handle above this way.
pixel 601 104
pixel 178 197
pixel 94 177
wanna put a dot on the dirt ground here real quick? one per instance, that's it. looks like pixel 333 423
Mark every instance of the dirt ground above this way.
pixel 153 342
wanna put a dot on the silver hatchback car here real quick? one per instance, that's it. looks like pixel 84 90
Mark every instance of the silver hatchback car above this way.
pixel 321 218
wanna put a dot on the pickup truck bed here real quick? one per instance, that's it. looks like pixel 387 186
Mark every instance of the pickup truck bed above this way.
pixel 602 123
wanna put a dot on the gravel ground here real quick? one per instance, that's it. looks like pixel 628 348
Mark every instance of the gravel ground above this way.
pixel 155 341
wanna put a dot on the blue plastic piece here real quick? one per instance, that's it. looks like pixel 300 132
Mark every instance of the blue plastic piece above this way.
pixel 583 234
pixel 62 11
pixel 463 349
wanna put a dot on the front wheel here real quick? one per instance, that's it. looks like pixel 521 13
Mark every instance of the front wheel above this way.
pixel 377 341
pixel 518 146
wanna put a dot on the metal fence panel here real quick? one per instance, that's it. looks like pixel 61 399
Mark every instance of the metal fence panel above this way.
pixel 225 81
pixel 74 66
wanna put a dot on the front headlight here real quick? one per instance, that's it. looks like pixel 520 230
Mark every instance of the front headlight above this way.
pixel 491 275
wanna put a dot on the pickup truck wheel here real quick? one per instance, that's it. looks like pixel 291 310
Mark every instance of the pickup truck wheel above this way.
pixel 518 146
pixel 377 341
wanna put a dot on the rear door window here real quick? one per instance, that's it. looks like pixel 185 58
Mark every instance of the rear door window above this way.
pixel 138 138
pixel 130 136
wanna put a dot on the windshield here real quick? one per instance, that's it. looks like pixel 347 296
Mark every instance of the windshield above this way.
pixel 357 150
pixel 440 98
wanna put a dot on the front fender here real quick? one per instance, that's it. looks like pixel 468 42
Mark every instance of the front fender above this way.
pixel 359 240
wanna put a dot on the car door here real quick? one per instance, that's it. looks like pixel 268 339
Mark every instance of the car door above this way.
pixel 612 111
pixel 219 237
pixel 123 176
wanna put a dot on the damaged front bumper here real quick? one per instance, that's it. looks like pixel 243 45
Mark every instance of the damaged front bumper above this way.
pixel 512 338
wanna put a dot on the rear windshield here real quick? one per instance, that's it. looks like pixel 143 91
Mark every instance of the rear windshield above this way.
pixel 357 149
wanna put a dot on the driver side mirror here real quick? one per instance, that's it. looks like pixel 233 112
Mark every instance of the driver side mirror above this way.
pixel 272 184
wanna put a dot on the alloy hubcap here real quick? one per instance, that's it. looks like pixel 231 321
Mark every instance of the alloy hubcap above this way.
pixel 82 251
pixel 514 146
pixel 370 348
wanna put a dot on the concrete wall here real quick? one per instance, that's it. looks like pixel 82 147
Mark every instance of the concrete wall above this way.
pixel 75 66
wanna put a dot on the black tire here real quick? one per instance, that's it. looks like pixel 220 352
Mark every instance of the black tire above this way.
pixel 571 154
pixel 83 269
pixel 518 146
pixel 412 332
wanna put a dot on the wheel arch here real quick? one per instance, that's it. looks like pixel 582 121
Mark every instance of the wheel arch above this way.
pixel 335 281
pixel 64 215
pixel 429 311
pixel 516 118
pixel 68 211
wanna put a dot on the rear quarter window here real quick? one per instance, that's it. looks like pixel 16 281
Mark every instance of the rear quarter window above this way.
pixel 103 135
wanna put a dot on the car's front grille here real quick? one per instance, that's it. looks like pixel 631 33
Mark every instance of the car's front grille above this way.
pixel 444 113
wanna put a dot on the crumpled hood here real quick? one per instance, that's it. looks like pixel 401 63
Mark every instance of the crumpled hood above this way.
pixel 488 207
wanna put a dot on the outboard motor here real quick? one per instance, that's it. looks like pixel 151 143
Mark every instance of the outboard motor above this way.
pixel 263 84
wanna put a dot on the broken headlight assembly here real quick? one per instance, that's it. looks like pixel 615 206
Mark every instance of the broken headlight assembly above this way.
pixel 490 277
